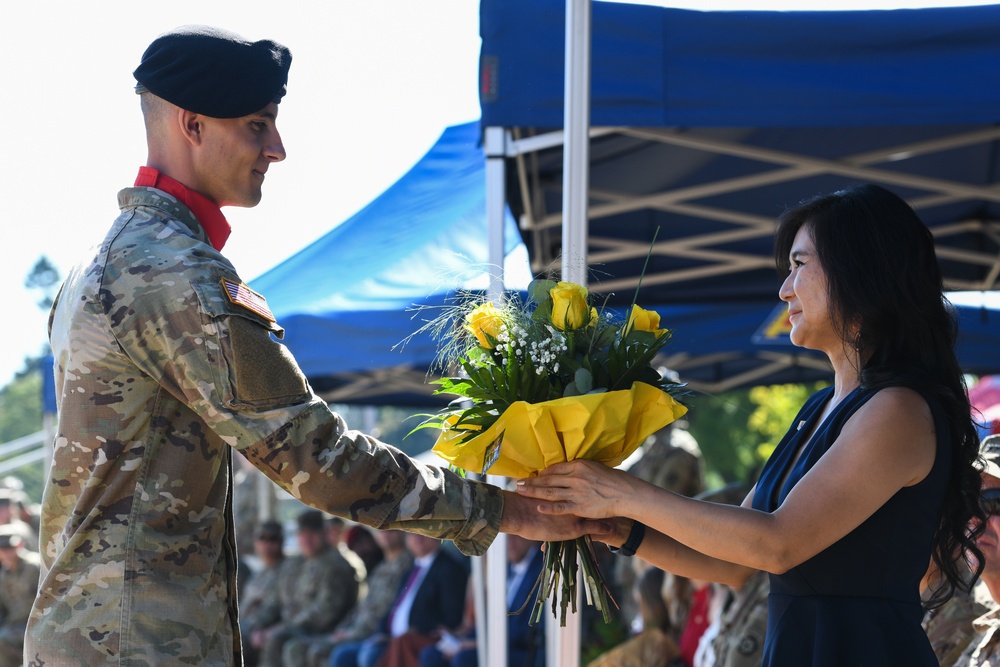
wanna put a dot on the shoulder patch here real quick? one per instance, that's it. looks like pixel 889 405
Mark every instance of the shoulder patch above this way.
pixel 241 295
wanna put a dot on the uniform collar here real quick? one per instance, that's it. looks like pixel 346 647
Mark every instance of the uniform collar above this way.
pixel 204 209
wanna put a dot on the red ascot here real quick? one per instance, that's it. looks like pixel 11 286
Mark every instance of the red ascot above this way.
pixel 204 209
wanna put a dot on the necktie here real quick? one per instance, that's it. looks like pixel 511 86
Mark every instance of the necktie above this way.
pixel 414 573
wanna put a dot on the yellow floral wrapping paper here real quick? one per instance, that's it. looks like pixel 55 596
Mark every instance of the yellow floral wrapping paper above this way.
pixel 605 427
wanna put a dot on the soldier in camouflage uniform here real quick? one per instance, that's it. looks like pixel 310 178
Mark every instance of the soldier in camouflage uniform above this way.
pixel 167 365
pixel 19 570
pixel 260 604
pixel 949 626
pixel 983 650
pixel 737 637
pixel 316 590
pixel 363 621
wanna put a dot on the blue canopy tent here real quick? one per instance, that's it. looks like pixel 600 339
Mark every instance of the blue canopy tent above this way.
pixel 705 125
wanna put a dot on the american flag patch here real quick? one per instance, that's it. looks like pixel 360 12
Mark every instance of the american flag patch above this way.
pixel 242 295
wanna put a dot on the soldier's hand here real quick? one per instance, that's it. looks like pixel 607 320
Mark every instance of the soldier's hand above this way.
pixel 521 517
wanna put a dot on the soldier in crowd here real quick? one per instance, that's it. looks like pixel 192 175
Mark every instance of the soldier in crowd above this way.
pixel 652 645
pixel 738 616
pixel 671 458
pixel 360 541
pixel 316 590
pixel 24 509
pixel 983 650
pixel 384 581
pixel 525 642
pixel 167 365
pixel 431 598
pixel 335 532
pixel 260 604
pixel 736 636
pixel 11 503
pixel 19 569
pixel 950 627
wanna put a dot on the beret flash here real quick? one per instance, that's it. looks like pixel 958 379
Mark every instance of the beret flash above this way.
pixel 213 71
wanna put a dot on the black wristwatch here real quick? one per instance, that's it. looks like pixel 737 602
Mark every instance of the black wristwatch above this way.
pixel 634 540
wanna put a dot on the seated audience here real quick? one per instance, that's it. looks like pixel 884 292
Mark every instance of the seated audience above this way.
pixel 19 571
pixel 360 541
pixel 984 648
pixel 336 536
pixel 363 620
pixel 525 642
pixel 260 605
pixel 430 599
pixel 735 637
pixel 652 645
pixel 12 501
pixel 949 627
pixel 316 590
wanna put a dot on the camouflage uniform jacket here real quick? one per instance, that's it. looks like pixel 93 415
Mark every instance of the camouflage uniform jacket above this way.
pixel 316 593
pixel 950 627
pixel 161 373
pixel 740 640
pixel 17 590
pixel 383 586
pixel 984 649
pixel 260 602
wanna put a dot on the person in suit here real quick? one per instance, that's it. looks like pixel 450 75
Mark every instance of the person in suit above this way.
pixel 525 642
pixel 431 599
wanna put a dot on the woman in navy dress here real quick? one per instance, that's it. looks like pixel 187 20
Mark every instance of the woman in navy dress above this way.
pixel 876 475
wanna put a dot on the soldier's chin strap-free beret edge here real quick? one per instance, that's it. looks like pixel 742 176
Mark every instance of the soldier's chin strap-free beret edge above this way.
pixel 213 71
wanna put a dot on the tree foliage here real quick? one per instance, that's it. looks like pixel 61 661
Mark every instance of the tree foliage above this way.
pixel 737 430
pixel 21 415
pixel 44 277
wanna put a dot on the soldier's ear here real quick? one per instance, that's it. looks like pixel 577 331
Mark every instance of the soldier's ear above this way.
pixel 192 126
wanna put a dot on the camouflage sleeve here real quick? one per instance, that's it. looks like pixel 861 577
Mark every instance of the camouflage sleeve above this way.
pixel 223 360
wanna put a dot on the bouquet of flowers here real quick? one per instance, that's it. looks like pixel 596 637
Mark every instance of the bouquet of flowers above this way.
pixel 551 380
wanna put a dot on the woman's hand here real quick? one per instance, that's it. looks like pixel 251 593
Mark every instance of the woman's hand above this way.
pixel 521 516
pixel 583 488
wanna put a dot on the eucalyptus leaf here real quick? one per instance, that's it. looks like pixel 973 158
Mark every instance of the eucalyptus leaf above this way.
pixel 538 290
pixel 583 380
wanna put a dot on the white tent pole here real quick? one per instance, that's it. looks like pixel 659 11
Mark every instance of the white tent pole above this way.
pixel 494 639
pixel 576 151
pixel 564 649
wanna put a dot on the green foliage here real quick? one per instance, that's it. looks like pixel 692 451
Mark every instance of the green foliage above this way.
pixel 21 407
pixel 776 407
pixel 21 415
pixel 44 276
pixel 719 424
pixel 738 430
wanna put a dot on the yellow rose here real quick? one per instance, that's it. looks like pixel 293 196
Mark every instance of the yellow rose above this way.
pixel 644 320
pixel 570 309
pixel 484 320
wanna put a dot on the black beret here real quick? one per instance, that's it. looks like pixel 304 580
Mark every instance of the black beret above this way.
pixel 214 72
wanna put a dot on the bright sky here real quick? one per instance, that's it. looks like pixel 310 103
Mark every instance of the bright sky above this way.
pixel 373 83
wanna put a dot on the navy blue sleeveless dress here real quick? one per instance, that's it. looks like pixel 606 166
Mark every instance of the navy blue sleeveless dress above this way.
pixel 858 601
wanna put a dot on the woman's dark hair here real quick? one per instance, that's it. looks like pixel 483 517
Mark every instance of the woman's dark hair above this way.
pixel 886 299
